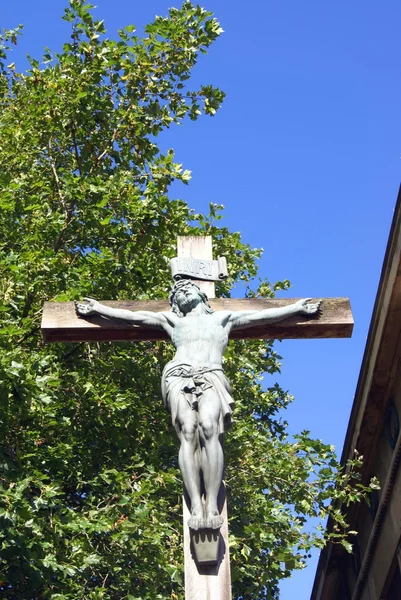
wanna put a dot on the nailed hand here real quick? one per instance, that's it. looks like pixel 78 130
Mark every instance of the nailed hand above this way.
pixel 87 308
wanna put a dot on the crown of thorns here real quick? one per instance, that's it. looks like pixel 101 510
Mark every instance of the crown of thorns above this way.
pixel 182 283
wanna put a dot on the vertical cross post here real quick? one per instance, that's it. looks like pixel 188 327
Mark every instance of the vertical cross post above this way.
pixel 200 247
pixel 205 581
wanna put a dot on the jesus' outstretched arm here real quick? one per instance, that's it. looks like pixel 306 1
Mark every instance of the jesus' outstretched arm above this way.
pixel 156 320
pixel 249 318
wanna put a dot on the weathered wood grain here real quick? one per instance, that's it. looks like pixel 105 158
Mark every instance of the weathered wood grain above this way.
pixel 60 323
pixel 197 246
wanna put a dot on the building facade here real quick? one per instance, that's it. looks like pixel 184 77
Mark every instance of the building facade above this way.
pixel 373 571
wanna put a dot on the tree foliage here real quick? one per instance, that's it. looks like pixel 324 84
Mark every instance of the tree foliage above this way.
pixel 90 503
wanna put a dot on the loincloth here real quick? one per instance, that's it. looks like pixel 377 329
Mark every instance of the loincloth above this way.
pixel 183 383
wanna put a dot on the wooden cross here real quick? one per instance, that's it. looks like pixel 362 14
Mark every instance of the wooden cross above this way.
pixel 209 580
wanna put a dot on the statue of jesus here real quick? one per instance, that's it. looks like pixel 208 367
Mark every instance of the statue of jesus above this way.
pixel 194 387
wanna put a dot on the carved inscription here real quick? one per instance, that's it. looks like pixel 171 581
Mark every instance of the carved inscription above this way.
pixel 210 270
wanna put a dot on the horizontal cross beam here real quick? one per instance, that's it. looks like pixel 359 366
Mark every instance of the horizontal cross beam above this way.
pixel 60 323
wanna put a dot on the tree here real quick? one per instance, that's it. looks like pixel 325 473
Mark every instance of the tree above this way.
pixel 90 504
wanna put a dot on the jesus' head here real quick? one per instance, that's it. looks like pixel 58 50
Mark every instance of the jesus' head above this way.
pixel 185 295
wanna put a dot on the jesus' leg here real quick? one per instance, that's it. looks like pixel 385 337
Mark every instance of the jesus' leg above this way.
pixel 189 462
pixel 212 459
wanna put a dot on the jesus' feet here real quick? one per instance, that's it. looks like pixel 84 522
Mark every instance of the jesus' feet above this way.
pixel 198 521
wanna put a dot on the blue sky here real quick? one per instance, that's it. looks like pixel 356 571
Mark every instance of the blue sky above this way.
pixel 305 154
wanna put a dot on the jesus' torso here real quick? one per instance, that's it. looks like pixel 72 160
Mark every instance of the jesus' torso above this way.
pixel 200 339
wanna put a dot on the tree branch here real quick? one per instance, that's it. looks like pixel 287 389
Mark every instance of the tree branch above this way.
pixel 105 151
pixel 58 182
pixel 74 141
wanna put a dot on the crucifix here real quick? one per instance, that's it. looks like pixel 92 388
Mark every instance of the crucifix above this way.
pixel 194 387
